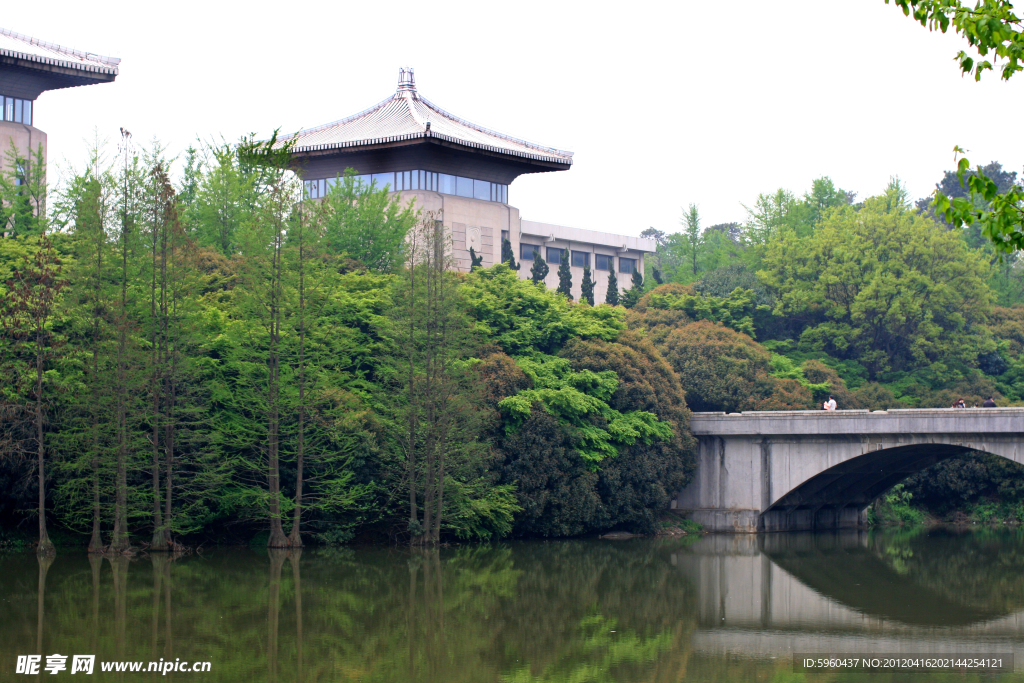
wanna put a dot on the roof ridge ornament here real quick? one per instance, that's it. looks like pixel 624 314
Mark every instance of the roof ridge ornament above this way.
pixel 407 83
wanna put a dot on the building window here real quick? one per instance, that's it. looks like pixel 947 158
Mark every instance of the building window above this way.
pixel 602 262
pixel 482 190
pixel 526 251
pixel 397 181
pixel 581 259
pixel 554 256
pixel 16 110
pixel 315 189
pixel 627 265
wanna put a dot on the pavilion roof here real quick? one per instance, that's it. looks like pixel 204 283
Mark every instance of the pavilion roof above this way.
pixel 408 116
pixel 31 49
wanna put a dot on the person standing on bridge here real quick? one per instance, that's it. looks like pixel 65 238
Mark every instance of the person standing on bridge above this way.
pixel 989 403
pixel 830 404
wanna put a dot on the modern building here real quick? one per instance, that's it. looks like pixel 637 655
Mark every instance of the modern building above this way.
pixel 30 67
pixel 463 171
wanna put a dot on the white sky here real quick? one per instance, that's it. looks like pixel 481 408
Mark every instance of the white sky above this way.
pixel 663 104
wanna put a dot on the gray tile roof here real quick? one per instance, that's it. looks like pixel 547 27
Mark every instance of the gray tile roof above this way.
pixel 407 116
pixel 34 50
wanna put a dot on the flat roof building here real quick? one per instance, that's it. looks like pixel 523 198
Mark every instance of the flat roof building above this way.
pixel 463 171
pixel 30 67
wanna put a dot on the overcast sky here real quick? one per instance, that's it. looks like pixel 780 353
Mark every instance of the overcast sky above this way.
pixel 663 104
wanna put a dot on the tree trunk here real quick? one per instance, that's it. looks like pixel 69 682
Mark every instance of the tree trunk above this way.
pixel 119 538
pixel 295 539
pixel 277 538
pixel 96 539
pixel 159 541
pixel 45 546
pixel 412 403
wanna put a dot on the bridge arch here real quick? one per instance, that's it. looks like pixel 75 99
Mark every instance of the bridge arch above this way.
pixel 793 470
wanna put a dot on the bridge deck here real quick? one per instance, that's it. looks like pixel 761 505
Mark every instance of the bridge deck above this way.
pixel 899 421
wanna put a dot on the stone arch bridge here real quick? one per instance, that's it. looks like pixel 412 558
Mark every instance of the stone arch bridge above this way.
pixel 801 470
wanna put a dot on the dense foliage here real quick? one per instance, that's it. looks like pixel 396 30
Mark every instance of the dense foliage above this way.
pixel 225 359
pixel 221 357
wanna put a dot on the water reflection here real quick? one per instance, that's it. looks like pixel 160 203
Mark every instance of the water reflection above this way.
pixel 936 592
pixel 708 608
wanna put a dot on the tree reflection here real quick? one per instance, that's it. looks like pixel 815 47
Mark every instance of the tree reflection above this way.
pixel 532 611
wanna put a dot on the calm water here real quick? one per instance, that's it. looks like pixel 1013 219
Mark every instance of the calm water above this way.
pixel 711 608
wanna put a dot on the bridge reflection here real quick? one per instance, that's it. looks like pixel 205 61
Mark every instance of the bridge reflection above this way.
pixel 855 592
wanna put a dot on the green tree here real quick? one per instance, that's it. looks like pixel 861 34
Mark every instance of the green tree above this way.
pixel 366 223
pixel 991 28
pixel 564 275
pixel 522 318
pixel 30 345
pixel 725 370
pixel 693 235
pixel 612 295
pixel 23 192
pixel 474 260
pixel 540 268
pixel 507 256
pixel 437 423
pixel 823 197
pixel 222 200
pixel 882 285
pixel 769 215
pixel 632 295
pixel 587 287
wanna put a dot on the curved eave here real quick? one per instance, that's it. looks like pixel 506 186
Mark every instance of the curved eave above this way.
pixel 75 66
pixel 430 135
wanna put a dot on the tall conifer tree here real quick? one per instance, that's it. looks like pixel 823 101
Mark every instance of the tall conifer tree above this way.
pixel 587 287
pixel 507 256
pixel 612 296
pixel 565 275
pixel 540 268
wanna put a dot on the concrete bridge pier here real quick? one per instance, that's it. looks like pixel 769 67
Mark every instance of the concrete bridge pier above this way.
pixel 808 470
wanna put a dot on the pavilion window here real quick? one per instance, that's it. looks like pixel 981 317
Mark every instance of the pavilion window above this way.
pixel 526 251
pixel 627 265
pixel 554 256
pixel 482 190
pixel 580 259
pixel 398 181
pixel 27 116
pixel 17 110
pixel 383 179
pixel 602 262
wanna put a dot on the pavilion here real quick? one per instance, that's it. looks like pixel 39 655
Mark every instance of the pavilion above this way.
pixel 463 171
pixel 30 67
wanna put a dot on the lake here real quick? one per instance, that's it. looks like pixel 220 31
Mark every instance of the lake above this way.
pixel 697 608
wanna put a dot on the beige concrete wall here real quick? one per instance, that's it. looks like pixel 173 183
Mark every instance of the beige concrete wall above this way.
pixel 25 138
pixel 471 222
pixel 480 224
pixel 591 241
